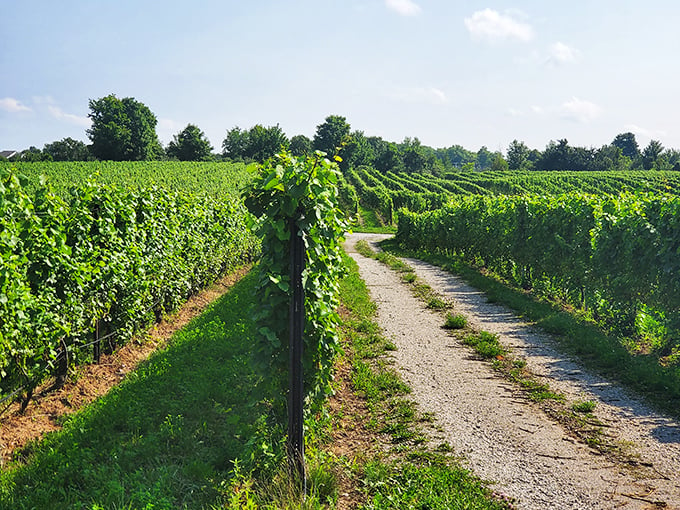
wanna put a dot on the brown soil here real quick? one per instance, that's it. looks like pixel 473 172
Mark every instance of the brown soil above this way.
pixel 47 409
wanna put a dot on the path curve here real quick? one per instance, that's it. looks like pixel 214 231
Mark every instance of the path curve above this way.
pixel 503 437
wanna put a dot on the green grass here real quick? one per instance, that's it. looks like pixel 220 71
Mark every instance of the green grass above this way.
pixel 368 221
pixel 455 321
pixel 188 429
pixel 415 475
pixel 166 437
pixel 172 434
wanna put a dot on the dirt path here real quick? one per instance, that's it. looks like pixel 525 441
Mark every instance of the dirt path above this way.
pixel 504 437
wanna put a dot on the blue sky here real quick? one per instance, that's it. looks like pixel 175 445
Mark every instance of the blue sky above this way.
pixel 448 72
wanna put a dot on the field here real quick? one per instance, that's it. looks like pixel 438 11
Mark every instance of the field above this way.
pixel 92 253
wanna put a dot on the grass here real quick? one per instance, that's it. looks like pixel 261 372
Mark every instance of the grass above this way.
pixel 415 475
pixel 455 321
pixel 576 335
pixel 185 430
pixel 369 221
pixel 189 429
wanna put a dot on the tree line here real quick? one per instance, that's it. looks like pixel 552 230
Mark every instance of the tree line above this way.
pixel 125 130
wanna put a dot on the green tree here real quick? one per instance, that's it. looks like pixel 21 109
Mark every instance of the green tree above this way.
pixel 300 146
pixel 484 158
pixel 259 143
pixel 518 155
pixel 34 154
pixel 652 155
pixel 628 145
pixel 357 151
pixel 190 144
pixel 264 142
pixel 331 134
pixel 498 163
pixel 235 144
pixel 68 149
pixel 123 130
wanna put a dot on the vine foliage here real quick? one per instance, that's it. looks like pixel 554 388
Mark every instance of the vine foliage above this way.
pixel 304 190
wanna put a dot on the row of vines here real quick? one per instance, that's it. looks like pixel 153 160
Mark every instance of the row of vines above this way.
pixel 615 256
pixel 99 260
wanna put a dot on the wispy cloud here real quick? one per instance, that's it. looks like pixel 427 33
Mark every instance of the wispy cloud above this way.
pixel 403 7
pixel 580 110
pixel 59 114
pixel 561 53
pixel 492 26
pixel 11 105
pixel 649 133
pixel 430 95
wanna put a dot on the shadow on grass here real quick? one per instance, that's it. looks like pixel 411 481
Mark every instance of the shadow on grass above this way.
pixel 166 437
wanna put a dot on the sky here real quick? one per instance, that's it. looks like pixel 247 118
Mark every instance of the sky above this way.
pixel 448 72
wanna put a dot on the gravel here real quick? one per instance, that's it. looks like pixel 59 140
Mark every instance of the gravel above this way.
pixel 499 434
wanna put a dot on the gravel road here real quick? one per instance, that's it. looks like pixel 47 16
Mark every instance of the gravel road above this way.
pixel 503 437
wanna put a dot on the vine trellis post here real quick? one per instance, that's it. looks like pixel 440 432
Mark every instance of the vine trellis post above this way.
pixel 296 440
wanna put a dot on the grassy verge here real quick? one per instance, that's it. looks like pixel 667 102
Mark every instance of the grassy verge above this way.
pixel 187 429
pixel 413 473
pixel 575 335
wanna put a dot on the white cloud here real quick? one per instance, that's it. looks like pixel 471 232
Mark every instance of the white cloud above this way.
pixel 514 112
pixel 492 26
pixel 538 110
pixel 58 113
pixel 11 105
pixel 560 53
pixel 580 110
pixel 403 7
pixel 649 133
pixel 430 95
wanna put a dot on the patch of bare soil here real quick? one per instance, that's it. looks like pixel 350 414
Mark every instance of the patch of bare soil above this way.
pixel 502 436
pixel 48 408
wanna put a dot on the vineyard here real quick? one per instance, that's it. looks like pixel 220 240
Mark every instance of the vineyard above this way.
pixel 606 243
pixel 92 252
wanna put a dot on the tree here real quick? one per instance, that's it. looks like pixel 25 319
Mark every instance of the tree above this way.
pixel 300 146
pixel 68 149
pixel 259 143
pixel 628 145
pixel 331 134
pixel 484 158
pixel 357 152
pixel 264 142
pixel 390 159
pixel 498 164
pixel 190 144
pixel 234 146
pixel 123 130
pixel 651 155
pixel 518 155
pixel 34 154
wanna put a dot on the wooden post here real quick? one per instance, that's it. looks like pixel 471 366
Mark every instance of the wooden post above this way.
pixel 296 439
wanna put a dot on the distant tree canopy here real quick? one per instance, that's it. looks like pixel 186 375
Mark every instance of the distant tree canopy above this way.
pixel 190 144
pixel 123 130
pixel 68 149
pixel 259 143
pixel 300 145
pixel 331 134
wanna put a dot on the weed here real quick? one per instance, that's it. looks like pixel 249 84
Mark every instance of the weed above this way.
pixel 584 406
pixel 457 321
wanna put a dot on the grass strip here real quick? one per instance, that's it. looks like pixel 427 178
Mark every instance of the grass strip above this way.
pixel 412 474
